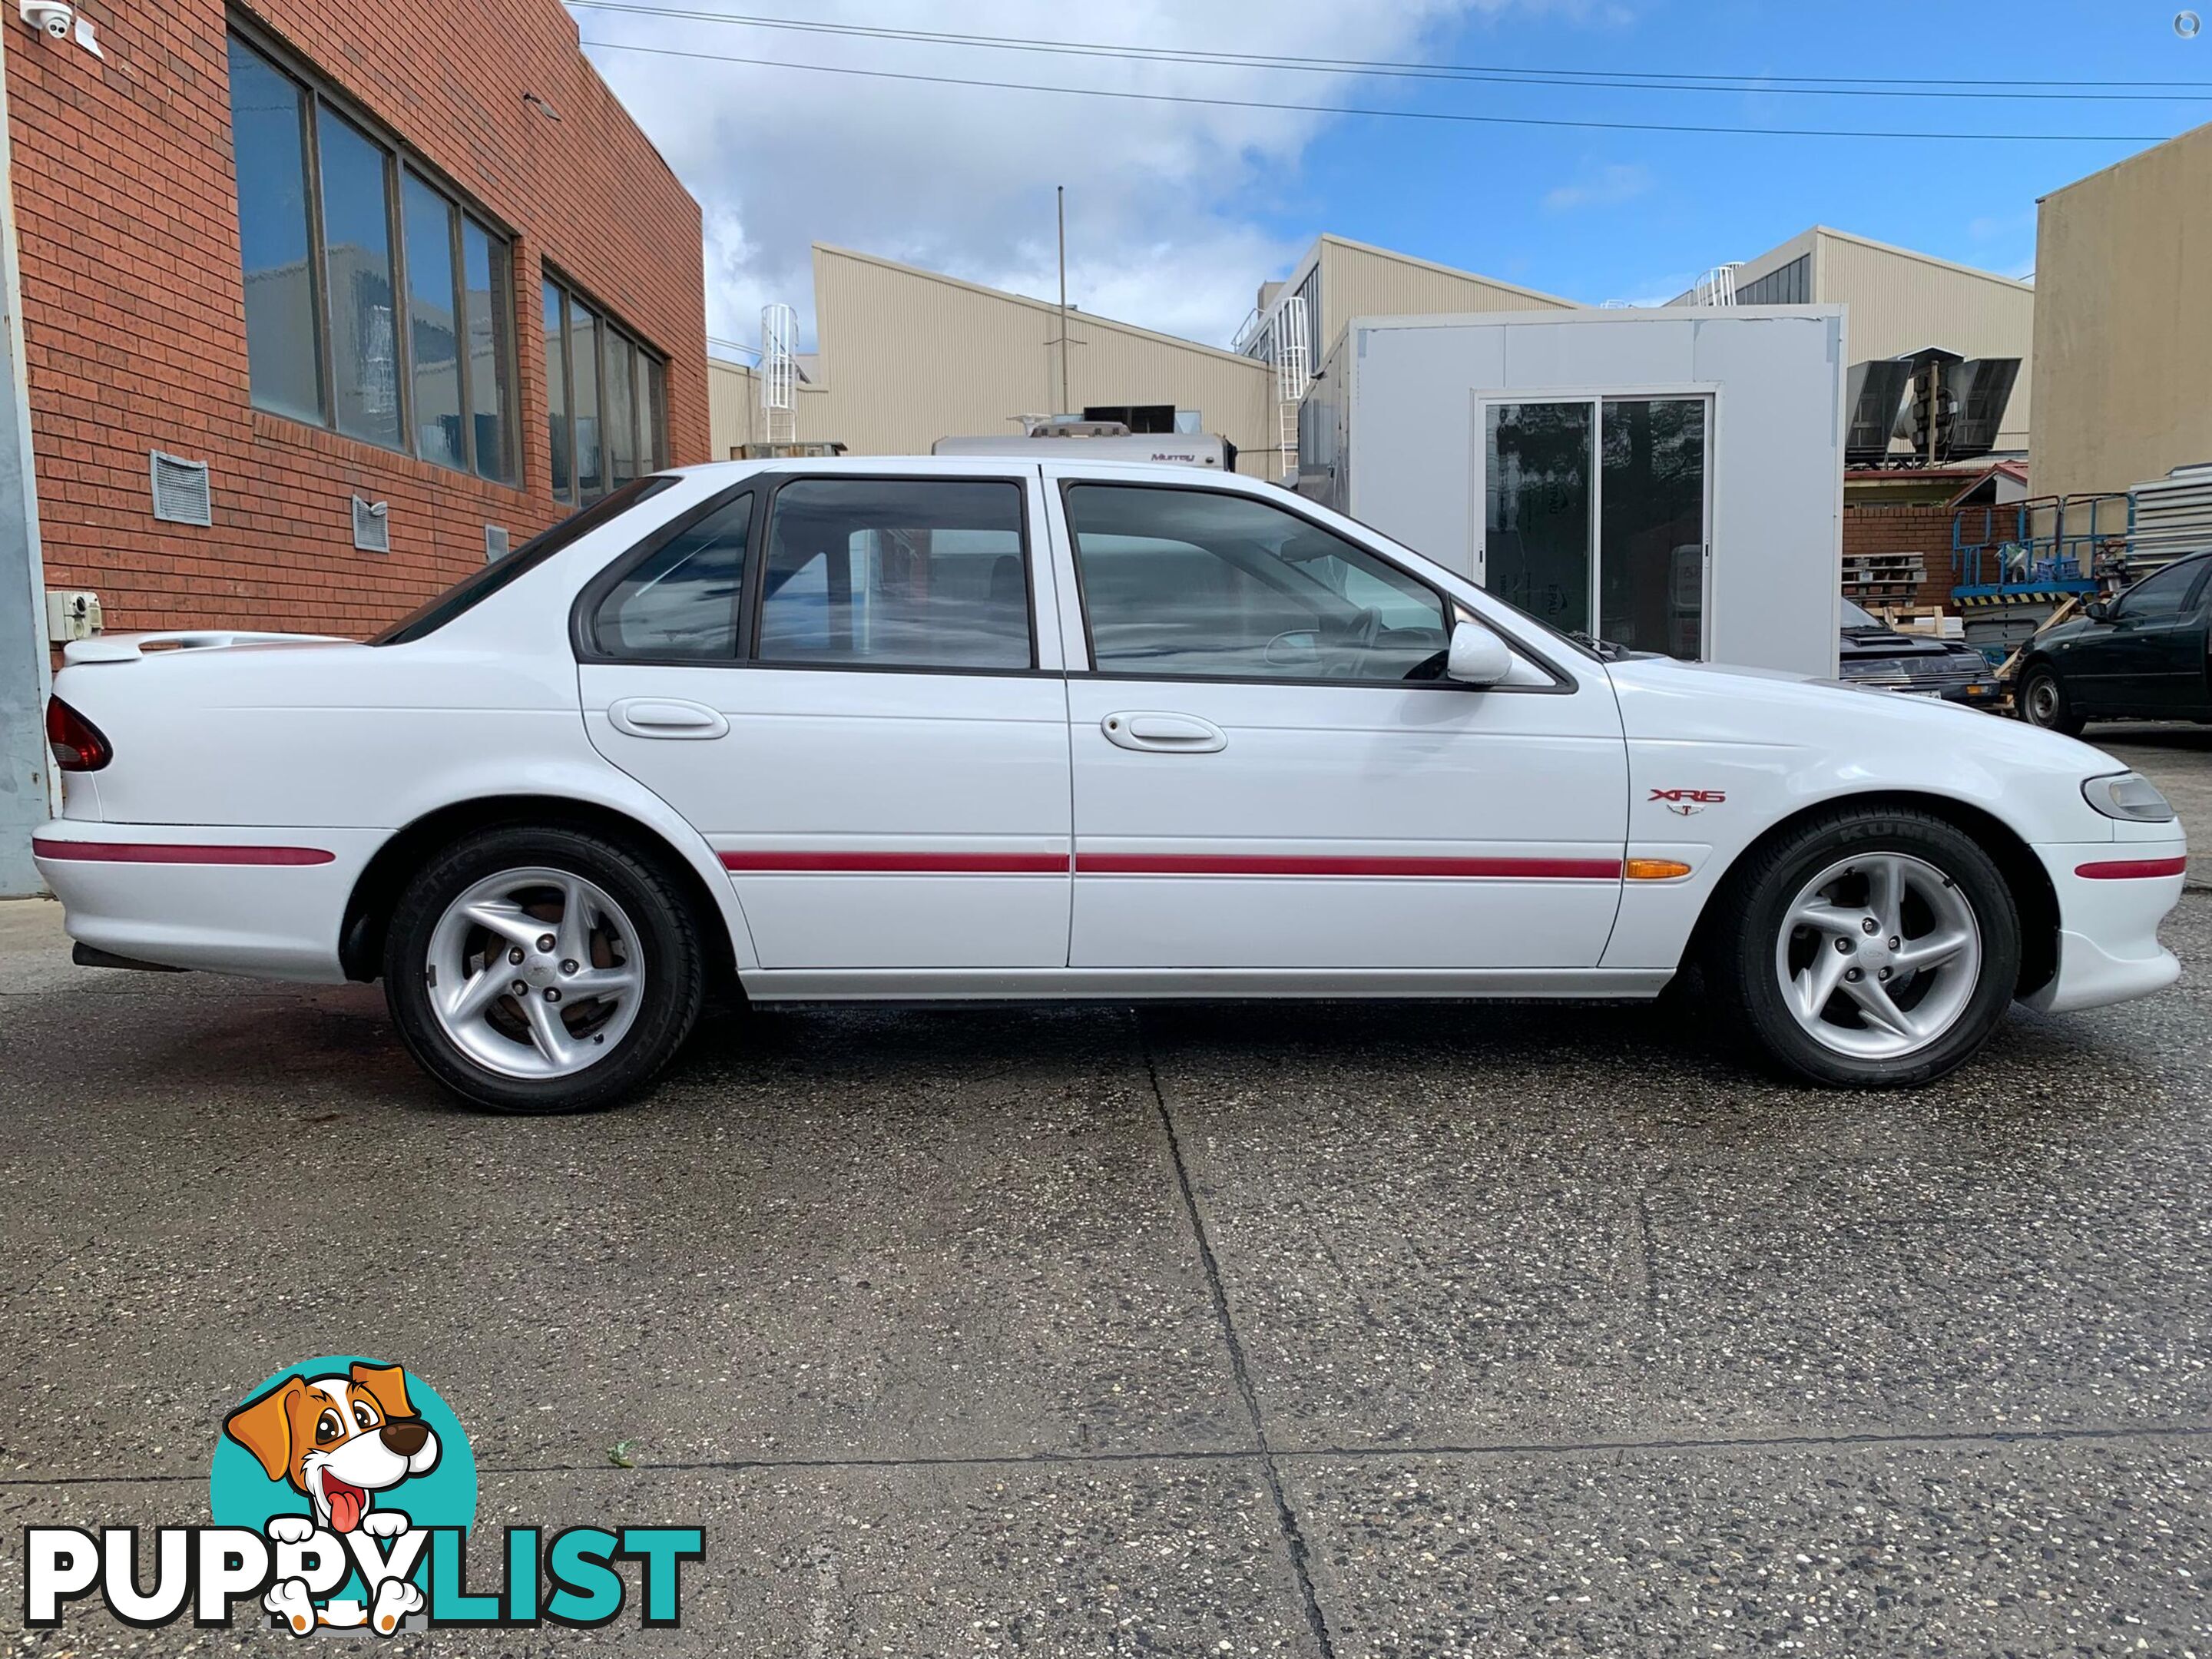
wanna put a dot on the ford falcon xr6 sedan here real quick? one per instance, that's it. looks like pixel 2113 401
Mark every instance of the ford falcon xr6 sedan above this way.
pixel 848 729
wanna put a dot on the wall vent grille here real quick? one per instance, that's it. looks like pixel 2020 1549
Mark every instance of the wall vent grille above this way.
pixel 372 525
pixel 495 543
pixel 181 492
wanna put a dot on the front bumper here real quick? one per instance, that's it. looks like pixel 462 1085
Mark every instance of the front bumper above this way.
pixel 2108 948
pixel 267 903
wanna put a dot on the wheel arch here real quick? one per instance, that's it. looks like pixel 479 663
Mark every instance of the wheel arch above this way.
pixel 2025 878
pixel 361 935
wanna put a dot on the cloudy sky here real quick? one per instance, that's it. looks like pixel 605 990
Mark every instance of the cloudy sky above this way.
pixel 1176 210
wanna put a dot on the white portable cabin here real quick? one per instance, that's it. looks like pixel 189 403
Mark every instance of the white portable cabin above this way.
pixel 1670 479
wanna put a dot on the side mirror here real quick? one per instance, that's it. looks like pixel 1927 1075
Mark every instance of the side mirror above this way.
pixel 1477 657
pixel 2098 610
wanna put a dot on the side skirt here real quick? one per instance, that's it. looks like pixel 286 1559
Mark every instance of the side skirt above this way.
pixel 1200 984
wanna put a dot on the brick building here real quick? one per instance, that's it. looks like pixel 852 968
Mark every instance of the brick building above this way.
pixel 404 256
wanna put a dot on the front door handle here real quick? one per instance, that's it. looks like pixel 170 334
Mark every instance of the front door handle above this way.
pixel 1164 733
pixel 665 717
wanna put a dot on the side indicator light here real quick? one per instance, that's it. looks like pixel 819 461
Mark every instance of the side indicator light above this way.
pixel 1654 869
pixel 2132 869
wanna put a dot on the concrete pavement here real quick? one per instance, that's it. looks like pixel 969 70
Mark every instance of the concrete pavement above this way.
pixel 1322 1331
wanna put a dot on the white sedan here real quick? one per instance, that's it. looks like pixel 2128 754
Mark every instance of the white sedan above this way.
pixel 964 728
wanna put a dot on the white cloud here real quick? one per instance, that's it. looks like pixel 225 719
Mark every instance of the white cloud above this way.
pixel 1609 186
pixel 1161 226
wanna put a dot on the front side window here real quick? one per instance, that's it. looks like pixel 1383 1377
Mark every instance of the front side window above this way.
pixel 896 573
pixel 681 600
pixel 348 325
pixel 1205 582
pixel 607 408
pixel 2164 593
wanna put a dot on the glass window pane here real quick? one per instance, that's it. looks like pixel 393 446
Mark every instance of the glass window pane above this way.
pixel 681 600
pixel 432 333
pixel 268 137
pixel 485 580
pixel 557 397
pixel 921 574
pixel 2161 594
pixel 357 254
pixel 584 390
pixel 1536 510
pixel 621 422
pixel 1651 526
pixel 656 410
pixel 1190 582
pixel 490 311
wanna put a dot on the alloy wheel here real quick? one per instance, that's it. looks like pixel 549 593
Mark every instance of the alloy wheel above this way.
pixel 534 973
pixel 1878 955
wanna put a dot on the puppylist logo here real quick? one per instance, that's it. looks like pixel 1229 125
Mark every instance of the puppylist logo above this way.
pixel 344 1493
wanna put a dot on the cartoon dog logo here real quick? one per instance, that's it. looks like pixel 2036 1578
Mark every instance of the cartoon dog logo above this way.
pixel 341 1440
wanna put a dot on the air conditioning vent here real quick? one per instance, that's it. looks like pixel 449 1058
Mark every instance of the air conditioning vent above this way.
pixel 181 492
pixel 495 543
pixel 372 525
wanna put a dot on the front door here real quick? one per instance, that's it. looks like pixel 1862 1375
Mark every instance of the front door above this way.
pixel 1271 773
pixel 836 679
pixel 1595 516
pixel 2153 658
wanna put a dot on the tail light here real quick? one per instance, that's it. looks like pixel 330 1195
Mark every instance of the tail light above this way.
pixel 78 744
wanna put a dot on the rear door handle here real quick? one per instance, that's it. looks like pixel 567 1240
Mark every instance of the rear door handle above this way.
pixel 665 717
pixel 1164 733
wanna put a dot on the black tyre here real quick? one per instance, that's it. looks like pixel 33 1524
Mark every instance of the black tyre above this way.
pixel 542 969
pixel 2042 700
pixel 1868 948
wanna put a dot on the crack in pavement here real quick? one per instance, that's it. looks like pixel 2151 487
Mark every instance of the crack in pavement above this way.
pixel 1285 1516
pixel 1845 1440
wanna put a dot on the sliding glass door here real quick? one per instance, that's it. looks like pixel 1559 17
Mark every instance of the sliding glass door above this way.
pixel 1595 516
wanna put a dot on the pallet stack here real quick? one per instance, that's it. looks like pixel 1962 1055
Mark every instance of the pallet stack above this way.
pixel 1883 579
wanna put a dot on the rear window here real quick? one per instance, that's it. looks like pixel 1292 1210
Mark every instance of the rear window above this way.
pixel 475 588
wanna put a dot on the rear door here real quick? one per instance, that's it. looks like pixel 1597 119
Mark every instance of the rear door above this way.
pixel 1271 773
pixel 837 678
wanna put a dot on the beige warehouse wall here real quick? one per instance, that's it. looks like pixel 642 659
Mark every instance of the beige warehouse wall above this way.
pixel 1900 302
pixel 908 357
pixel 2123 322
pixel 1360 280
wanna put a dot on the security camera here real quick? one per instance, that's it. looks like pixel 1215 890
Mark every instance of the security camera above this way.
pixel 50 16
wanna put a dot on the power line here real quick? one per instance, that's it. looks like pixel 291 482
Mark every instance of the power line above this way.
pixel 1455 117
pixel 1619 79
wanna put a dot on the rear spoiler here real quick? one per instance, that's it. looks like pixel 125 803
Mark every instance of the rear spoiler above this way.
pixel 129 648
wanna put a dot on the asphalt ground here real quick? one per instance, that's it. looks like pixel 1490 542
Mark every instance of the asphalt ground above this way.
pixel 1340 1330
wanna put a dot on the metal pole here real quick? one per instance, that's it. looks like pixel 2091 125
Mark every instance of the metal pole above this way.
pixel 26 776
pixel 1066 397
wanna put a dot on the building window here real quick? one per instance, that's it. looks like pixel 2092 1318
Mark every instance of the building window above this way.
pixel 1785 285
pixel 335 226
pixel 606 399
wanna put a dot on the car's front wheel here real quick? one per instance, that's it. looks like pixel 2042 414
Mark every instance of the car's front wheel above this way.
pixel 1870 948
pixel 2043 702
pixel 541 970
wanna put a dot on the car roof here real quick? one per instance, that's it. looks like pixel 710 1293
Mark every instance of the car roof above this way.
pixel 1063 453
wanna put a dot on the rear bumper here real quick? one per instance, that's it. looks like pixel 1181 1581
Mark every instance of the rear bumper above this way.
pixel 266 902
pixel 2108 948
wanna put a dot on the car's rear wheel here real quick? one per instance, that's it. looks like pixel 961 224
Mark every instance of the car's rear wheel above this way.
pixel 542 970
pixel 1870 948
pixel 2043 702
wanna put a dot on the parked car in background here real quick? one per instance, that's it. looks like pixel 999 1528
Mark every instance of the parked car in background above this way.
pixel 983 728
pixel 2140 656
pixel 1874 654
